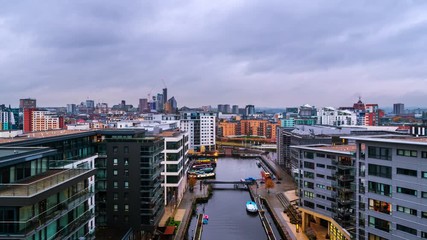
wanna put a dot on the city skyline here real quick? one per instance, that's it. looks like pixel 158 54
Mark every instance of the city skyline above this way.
pixel 270 54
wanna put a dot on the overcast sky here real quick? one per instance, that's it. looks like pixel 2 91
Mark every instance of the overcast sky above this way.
pixel 267 53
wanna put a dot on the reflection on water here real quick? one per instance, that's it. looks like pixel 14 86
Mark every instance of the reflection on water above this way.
pixel 228 218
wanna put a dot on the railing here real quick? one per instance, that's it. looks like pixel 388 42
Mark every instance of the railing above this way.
pixel 71 227
pixel 43 219
pixel 26 190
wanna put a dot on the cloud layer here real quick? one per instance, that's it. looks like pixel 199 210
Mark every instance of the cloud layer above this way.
pixel 269 53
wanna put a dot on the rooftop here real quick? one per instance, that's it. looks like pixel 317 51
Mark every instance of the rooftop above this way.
pixel 170 133
pixel 399 139
pixel 37 135
pixel 340 149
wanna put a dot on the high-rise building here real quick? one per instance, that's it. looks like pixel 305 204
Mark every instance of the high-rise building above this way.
pixel 90 104
pixel 160 103
pixel 201 127
pixel 165 95
pixel 71 108
pixel 41 120
pixel 221 108
pixel 27 103
pixel 143 105
pixel 9 119
pixel 249 110
pixel 227 108
pixel 235 109
pixel 398 108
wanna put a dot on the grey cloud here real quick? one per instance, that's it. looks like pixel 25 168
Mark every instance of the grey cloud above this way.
pixel 271 53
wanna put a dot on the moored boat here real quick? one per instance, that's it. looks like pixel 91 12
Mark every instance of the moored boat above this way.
pixel 251 207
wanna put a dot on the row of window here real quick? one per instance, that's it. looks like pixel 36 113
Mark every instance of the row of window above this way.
pixel 310 165
pixel 386 172
pixel 385 153
pixel 385 189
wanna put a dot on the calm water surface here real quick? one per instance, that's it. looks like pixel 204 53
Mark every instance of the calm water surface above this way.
pixel 228 218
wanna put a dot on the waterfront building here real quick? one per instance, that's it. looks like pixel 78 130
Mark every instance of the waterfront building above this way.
pixel 202 129
pixel 391 196
pixel 398 108
pixel 129 192
pixel 255 127
pixel 287 122
pixel 325 186
pixel 228 129
pixel 45 197
pixel 175 165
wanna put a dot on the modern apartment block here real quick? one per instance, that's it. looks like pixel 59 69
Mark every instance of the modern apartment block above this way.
pixel 129 192
pixel 326 190
pixel 201 128
pixel 391 184
pixel 43 197
pixel 175 165
pixel 41 120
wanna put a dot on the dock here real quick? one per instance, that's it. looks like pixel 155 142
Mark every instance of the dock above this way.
pixel 199 227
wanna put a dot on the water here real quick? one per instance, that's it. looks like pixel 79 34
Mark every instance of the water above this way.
pixel 228 218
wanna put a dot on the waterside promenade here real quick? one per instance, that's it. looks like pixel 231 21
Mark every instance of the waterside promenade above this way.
pixel 183 212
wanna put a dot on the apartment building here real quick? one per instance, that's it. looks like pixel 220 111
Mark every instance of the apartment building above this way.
pixel 43 197
pixel 41 120
pixel 326 190
pixel 391 184
pixel 202 129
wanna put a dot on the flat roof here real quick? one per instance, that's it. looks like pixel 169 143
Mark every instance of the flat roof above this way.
pixel 398 139
pixel 44 134
pixel 10 152
pixel 340 149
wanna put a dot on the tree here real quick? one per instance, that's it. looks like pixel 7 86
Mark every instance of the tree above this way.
pixel 269 184
pixel 192 182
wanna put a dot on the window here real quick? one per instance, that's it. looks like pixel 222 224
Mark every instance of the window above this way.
pixel 406 229
pixel 379 223
pixel 406 191
pixel 424 174
pixel 126 173
pixel 331 167
pixel 375 237
pixel 379 153
pixel 308 194
pixel 126 207
pixel 320 206
pixel 115 184
pixel 309 155
pixel 320 155
pixel 115 172
pixel 309 175
pixel 424 214
pixel 126 196
pixel 115 161
pixel 408 172
pixel 379 188
pixel 115 149
pixel 116 207
pixel 424 194
pixel 126 161
pixel 320 175
pixel 407 210
pixel 423 154
pixel 308 165
pixel 406 153
pixel 330 178
pixel 423 234
pixel 379 206
pixel 115 196
pixel 126 184
pixel 308 184
pixel 320 165
pixel 321 186
pixel 379 171
pixel 309 204
pixel 126 149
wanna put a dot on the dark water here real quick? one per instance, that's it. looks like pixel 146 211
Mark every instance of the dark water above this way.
pixel 228 218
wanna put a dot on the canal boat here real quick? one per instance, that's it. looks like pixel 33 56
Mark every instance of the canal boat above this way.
pixel 206 175
pixel 251 207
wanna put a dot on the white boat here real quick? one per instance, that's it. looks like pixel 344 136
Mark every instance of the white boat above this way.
pixel 251 207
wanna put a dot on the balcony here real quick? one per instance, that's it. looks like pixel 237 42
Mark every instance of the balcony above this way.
pixel 40 183
pixel 65 232
pixel 22 229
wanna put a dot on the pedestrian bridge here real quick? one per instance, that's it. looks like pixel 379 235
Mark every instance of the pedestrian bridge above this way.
pixel 228 182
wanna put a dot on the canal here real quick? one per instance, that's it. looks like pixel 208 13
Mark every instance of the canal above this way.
pixel 226 209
